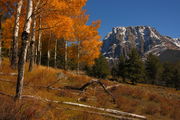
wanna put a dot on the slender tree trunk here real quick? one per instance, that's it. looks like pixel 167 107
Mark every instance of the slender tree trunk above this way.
pixel 48 57
pixel 78 56
pixel 39 44
pixel 0 41
pixel 33 39
pixel 65 55
pixel 23 52
pixel 14 50
pixel 48 52
pixel 55 54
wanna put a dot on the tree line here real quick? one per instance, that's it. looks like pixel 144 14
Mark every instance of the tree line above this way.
pixel 47 32
pixel 133 70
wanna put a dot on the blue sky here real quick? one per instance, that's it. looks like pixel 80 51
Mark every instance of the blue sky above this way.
pixel 164 15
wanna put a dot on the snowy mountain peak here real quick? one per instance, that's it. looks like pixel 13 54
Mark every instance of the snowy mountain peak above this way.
pixel 177 41
pixel 145 39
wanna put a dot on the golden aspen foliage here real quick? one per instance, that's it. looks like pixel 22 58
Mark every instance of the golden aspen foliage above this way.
pixel 7 32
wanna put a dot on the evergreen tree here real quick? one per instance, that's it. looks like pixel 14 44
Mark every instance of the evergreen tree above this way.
pixel 153 68
pixel 176 78
pixel 135 67
pixel 100 69
pixel 167 75
pixel 171 75
pixel 122 68
pixel 114 72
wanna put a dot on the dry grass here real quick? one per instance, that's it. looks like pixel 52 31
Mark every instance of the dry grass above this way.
pixel 157 103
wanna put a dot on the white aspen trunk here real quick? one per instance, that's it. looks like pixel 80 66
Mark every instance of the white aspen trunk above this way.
pixel 78 56
pixel 48 52
pixel 0 41
pixel 33 39
pixel 23 52
pixel 48 55
pixel 55 54
pixel 39 43
pixel 65 55
pixel 14 55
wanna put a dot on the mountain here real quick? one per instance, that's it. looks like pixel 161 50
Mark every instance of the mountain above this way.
pixel 145 39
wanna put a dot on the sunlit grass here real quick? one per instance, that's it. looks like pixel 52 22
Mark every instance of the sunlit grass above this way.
pixel 155 102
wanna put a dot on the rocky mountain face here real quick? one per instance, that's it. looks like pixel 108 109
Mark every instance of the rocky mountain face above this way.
pixel 144 38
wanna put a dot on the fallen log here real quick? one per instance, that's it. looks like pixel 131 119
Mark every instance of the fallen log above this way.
pixel 6 80
pixel 8 74
pixel 108 110
pixel 90 107
pixel 112 86
pixel 112 111
pixel 103 114
pixel 85 86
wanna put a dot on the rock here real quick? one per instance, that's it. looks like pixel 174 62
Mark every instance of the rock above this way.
pixel 144 38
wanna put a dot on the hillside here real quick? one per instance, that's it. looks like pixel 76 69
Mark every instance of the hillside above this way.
pixel 170 56
pixel 50 99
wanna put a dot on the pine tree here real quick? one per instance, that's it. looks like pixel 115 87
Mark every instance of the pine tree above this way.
pixel 100 69
pixel 135 67
pixel 153 68
pixel 171 75
pixel 167 74
pixel 122 69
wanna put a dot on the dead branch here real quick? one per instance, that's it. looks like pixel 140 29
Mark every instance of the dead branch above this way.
pixel 82 88
pixel 2 93
pixel 60 76
pixel 112 86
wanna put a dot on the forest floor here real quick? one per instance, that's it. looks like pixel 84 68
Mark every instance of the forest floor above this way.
pixel 154 102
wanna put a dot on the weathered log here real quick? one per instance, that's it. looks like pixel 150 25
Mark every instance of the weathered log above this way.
pixel 111 111
pixel 8 74
pixel 107 110
pixel 82 88
pixel 103 114
pixel 6 80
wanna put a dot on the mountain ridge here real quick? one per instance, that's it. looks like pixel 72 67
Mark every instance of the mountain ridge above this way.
pixel 145 39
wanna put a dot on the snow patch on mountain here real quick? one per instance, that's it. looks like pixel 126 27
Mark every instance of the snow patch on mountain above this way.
pixel 177 41
pixel 145 39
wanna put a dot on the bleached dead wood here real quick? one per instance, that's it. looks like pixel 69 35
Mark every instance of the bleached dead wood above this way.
pixel 103 114
pixel 107 110
pixel 110 111
pixel 82 88
pixel 112 86
pixel 5 80
pixel 8 74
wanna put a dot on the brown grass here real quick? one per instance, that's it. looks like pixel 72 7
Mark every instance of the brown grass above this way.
pixel 152 101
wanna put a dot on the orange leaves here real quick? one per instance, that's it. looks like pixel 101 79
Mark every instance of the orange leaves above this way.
pixel 62 26
pixel 89 39
pixel 8 31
